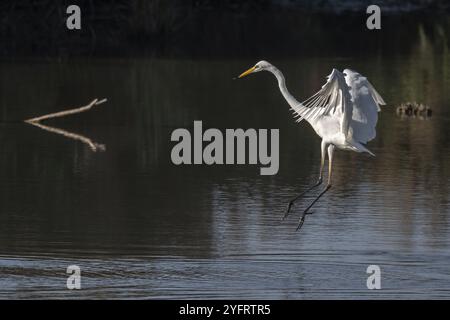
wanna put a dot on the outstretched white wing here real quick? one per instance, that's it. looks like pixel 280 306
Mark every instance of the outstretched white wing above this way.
pixel 366 105
pixel 333 99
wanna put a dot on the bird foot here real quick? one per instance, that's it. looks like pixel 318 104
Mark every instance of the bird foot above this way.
pixel 288 210
pixel 300 223
pixel 302 219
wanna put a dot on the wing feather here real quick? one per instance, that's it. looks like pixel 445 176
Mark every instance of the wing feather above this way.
pixel 332 99
pixel 366 105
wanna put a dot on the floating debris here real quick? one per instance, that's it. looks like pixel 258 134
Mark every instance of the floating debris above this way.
pixel 414 109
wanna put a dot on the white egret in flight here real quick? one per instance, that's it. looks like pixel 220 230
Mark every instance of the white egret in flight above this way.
pixel 343 113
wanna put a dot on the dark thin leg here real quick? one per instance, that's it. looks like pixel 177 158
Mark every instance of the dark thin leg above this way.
pixel 302 218
pixel 330 167
pixel 291 203
pixel 318 183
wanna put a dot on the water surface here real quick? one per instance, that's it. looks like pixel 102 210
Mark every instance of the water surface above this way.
pixel 141 227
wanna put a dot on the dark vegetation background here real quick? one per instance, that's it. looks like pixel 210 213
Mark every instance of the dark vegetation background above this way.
pixel 228 28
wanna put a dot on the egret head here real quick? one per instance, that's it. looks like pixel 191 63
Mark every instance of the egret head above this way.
pixel 260 66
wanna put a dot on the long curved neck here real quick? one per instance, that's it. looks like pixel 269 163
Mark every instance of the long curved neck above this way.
pixel 293 103
pixel 282 84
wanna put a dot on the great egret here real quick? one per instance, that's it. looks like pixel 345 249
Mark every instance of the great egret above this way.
pixel 343 113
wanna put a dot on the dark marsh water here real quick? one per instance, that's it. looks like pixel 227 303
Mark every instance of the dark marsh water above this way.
pixel 141 227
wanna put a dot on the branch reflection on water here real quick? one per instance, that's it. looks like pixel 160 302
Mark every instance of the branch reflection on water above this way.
pixel 71 135
pixel 92 144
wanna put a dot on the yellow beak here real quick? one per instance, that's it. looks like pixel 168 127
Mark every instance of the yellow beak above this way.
pixel 247 72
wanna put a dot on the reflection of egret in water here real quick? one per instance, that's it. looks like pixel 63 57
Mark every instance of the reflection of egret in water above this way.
pixel 71 135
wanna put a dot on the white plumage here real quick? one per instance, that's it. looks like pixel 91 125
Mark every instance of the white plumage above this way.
pixel 366 105
pixel 344 112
